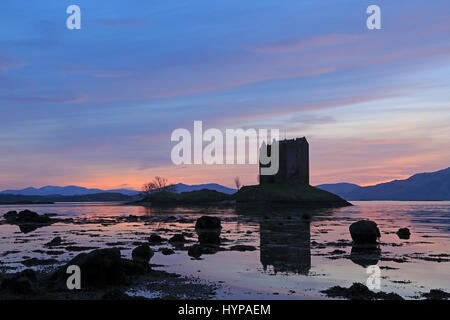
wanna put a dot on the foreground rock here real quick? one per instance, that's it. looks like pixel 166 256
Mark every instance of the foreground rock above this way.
pixel 102 267
pixel 364 232
pixel 20 283
pixel 359 291
pixel 436 294
pixel 403 233
pixel 208 230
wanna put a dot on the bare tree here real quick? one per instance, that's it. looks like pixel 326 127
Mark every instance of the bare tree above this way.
pixel 237 182
pixel 158 184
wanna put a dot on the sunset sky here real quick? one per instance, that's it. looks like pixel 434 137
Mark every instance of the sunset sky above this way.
pixel 96 107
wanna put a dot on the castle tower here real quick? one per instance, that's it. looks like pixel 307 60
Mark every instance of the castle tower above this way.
pixel 293 165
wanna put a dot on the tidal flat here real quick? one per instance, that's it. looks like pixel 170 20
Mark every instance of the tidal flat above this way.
pixel 288 253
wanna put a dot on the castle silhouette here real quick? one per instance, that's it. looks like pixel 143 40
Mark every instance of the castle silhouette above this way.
pixel 293 163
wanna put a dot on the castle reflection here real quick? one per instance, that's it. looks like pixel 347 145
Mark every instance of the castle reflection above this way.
pixel 285 246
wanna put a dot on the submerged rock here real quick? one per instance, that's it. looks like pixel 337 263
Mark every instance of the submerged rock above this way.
pixel 403 233
pixel 167 251
pixel 142 254
pixel 364 232
pixel 55 242
pixel 154 238
pixel 178 238
pixel 242 247
pixel 38 262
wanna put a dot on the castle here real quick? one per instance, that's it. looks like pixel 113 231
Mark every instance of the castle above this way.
pixel 293 163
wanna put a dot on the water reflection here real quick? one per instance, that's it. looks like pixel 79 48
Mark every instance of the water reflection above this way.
pixel 285 246
pixel 365 255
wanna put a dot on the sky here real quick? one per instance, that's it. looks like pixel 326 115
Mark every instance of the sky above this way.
pixel 96 107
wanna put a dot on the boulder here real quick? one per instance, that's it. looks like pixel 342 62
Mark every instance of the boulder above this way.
pixel 100 267
pixel 403 233
pixel 142 254
pixel 31 216
pixel 195 251
pixel 208 230
pixel 364 232
pixel 207 222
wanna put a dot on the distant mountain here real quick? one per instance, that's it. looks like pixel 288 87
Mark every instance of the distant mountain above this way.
pixel 94 197
pixel 421 186
pixel 78 191
pixel 339 188
pixel 66 191
pixel 181 187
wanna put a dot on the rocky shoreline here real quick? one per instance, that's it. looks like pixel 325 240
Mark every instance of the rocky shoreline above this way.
pixel 135 277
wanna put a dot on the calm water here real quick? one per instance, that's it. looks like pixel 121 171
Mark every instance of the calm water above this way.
pixel 299 252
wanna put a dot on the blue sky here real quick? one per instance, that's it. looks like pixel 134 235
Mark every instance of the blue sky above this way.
pixel 96 106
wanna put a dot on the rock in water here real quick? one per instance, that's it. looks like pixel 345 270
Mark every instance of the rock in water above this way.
pixel 31 216
pixel 142 254
pixel 208 230
pixel 154 238
pixel 364 232
pixel 195 251
pixel 56 241
pixel 10 216
pixel 206 222
pixel 178 238
pixel 403 233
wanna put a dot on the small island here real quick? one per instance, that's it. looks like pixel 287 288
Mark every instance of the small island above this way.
pixel 289 186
